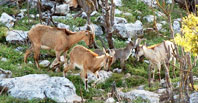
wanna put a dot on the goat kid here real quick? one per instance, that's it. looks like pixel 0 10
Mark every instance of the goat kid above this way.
pixel 121 54
pixel 60 40
pixel 87 61
pixel 157 55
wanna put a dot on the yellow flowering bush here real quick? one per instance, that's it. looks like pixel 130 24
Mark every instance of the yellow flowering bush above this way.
pixel 189 39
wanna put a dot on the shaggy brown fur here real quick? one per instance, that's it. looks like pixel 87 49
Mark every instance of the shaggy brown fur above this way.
pixel 47 37
pixel 87 60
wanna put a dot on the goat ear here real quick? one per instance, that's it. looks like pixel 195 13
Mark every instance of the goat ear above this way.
pixel 112 52
pixel 104 51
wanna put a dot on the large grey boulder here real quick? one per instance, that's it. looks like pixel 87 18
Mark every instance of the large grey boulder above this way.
pixel 194 97
pixel 98 29
pixel 63 26
pixel 62 9
pixel 46 4
pixel 119 20
pixel 149 18
pixel 151 3
pixel 41 86
pixel 151 97
pixel 7 20
pixel 5 73
pixel 118 2
pixel 128 30
pixel 103 75
pixel 16 36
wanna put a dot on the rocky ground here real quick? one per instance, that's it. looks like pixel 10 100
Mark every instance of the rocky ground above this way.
pixel 25 83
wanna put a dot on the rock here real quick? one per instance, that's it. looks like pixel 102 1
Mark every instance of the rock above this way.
pixel 118 2
pixel 98 30
pixel 146 61
pixel 176 26
pixel 169 1
pixel 46 4
pixel 194 97
pixel 32 16
pixel 159 14
pixel 129 30
pixel 145 95
pixel 19 49
pixel 16 36
pixel 7 20
pixel 4 59
pixel 30 62
pixel 161 91
pixel 44 63
pixel 119 20
pixel 117 70
pixel 62 58
pixel 94 13
pixel 22 13
pixel 141 87
pixel 110 100
pixel 151 3
pixel 149 18
pixel 159 26
pixel 127 14
pixel 5 73
pixel 41 86
pixel 195 78
pixel 127 75
pixel 61 9
pixel 163 22
pixel 118 12
pixel 103 75
pixel 64 26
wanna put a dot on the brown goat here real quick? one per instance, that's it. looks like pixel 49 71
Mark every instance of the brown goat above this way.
pixel 60 40
pixel 87 61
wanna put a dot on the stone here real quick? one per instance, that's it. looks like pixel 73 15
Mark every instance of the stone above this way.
pixel 103 75
pixel 118 2
pixel 62 9
pixel 22 13
pixel 151 3
pixel 149 18
pixel 16 36
pixel 119 20
pixel 46 4
pixel 159 26
pixel 98 29
pixel 110 100
pixel 127 75
pixel 41 86
pixel 194 97
pixel 117 70
pixel 169 1
pixel 161 91
pixel 145 95
pixel 118 12
pixel 147 61
pixel 4 59
pixel 176 26
pixel 44 63
pixel 5 73
pixel 7 20
pixel 159 14
pixel 63 26
pixel 141 87
pixel 163 22
pixel 19 49
pixel 128 30
pixel 94 13
pixel 127 14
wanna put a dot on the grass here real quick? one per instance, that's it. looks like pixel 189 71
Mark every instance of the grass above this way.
pixel 138 70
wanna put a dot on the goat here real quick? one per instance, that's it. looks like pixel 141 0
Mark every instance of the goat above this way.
pixel 157 54
pixel 121 54
pixel 60 40
pixel 87 61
